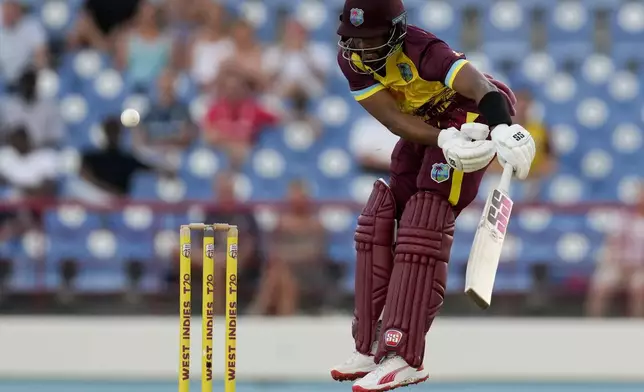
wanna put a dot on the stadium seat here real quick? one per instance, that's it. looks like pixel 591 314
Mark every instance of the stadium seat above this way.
pixel 506 31
pixel 58 17
pixel 569 26
pixel 442 18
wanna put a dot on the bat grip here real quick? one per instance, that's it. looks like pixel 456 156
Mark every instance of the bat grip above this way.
pixel 506 177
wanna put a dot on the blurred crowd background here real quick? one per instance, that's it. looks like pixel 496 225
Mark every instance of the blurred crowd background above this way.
pixel 246 119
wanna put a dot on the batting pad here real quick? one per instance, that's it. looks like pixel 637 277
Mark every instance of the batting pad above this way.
pixel 374 238
pixel 417 284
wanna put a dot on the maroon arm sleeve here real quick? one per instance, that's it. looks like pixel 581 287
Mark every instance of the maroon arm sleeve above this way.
pixel 438 62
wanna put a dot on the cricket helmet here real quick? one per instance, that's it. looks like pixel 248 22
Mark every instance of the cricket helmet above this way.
pixel 365 19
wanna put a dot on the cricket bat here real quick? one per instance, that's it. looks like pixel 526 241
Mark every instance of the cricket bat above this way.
pixel 488 242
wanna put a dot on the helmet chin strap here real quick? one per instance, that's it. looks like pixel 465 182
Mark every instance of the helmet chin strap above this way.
pixel 362 66
pixel 369 67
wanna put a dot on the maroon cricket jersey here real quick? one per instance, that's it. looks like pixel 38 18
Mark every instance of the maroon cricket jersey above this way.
pixel 420 76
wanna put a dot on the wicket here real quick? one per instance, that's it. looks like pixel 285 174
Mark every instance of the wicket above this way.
pixel 208 289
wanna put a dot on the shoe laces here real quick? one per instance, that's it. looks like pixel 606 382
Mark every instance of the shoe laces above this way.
pixel 353 358
pixel 382 368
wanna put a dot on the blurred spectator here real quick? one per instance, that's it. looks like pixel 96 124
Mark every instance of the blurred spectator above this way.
pixel 545 162
pixel 210 46
pixel 229 210
pixel 621 265
pixel 299 115
pixel 247 56
pixel 144 50
pixel 107 172
pixel 41 117
pixel 235 118
pixel 5 263
pixel 372 144
pixel 298 270
pixel 167 127
pixel 99 22
pixel 294 64
pixel 29 171
pixel 183 17
pixel 23 42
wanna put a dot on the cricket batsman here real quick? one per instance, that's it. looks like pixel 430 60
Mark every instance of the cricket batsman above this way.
pixel 443 109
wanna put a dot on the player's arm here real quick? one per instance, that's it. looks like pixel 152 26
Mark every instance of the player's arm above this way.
pixel 459 151
pixel 439 62
pixel 383 107
pixel 514 143
pixel 471 83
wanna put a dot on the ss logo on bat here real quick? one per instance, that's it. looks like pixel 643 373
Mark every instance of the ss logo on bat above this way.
pixel 499 213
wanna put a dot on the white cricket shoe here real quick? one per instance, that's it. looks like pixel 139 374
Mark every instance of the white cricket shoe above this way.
pixel 357 366
pixel 392 373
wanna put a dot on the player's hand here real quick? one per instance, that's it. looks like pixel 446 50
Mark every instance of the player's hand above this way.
pixel 464 154
pixel 514 145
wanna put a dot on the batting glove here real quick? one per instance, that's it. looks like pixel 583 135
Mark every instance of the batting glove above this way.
pixel 464 154
pixel 476 131
pixel 514 145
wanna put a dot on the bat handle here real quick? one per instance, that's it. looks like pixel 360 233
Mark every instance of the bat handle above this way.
pixel 506 177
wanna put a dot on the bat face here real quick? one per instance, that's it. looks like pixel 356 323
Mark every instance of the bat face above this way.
pixel 486 249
